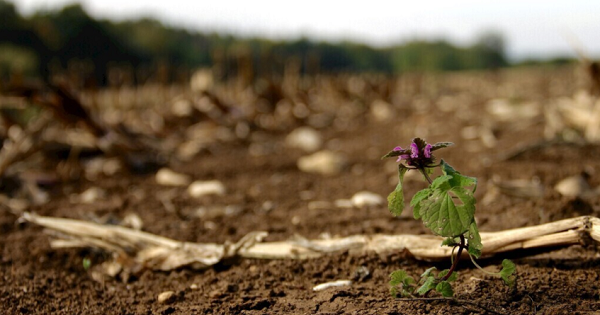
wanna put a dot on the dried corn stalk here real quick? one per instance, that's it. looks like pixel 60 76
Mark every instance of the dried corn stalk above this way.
pixel 134 249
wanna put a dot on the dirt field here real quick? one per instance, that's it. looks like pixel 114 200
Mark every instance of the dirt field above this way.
pixel 266 191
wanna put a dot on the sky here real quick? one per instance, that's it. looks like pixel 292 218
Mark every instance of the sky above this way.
pixel 533 28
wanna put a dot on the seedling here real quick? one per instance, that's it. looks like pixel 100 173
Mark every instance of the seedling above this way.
pixel 447 208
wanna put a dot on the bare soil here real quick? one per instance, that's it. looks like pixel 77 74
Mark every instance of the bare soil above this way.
pixel 273 195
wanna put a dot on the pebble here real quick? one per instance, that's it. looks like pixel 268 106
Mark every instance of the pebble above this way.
pixel 366 199
pixel 332 284
pixel 304 138
pixel 194 286
pixel 91 195
pixel 166 297
pixel 323 162
pixel 182 108
pixel 202 188
pixel 381 110
pixel 573 186
pixel 168 177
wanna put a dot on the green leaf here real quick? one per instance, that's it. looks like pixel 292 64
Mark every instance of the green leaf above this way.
pixel 440 181
pixel 507 272
pixel 397 277
pixel 452 277
pixel 396 197
pixel 445 289
pixel 474 241
pixel 449 207
pixel 450 242
pixel 428 272
pixel 416 201
pixel 427 286
pixel 445 218
pixel 441 145
pixel 457 178
pixel 400 277
pixel 87 263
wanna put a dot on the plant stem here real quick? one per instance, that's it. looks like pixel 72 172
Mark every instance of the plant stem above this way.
pixel 424 172
pixel 455 263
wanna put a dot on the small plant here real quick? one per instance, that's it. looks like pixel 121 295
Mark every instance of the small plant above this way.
pixel 447 208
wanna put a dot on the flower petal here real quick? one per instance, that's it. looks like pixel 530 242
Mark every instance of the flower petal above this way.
pixel 414 149
pixel 427 151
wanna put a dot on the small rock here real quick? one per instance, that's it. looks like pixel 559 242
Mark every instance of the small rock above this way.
pixel 168 177
pixel 574 186
pixel 323 162
pixel 216 294
pixel 361 273
pixel 332 284
pixel 304 138
pixel 166 297
pixel 133 221
pixel 366 199
pixel 381 110
pixel 194 286
pixel 182 108
pixel 202 188
pixel 91 195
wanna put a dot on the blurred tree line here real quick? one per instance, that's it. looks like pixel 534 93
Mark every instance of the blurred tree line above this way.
pixel 105 51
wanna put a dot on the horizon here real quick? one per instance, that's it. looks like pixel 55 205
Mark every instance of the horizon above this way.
pixel 556 30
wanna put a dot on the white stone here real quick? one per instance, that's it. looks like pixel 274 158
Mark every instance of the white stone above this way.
pixel 182 108
pixel 166 297
pixel 168 177
pixel 332 284
pixel 200 189
pixel 91 195
pixel 574 186
pixel 323 162
pixel 304 138
pixel 366 199
pixel 381 110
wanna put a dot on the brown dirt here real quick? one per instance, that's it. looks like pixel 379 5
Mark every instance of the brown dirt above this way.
pixel 36 279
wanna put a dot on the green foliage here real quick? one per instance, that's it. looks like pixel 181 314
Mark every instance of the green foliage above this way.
pixel 396 197
pixel 508 273
pixel 404 284
pixel 447 207
pixel 87 263
pixel 445 289
pixel 428 285
pixel 149 42
pixel 450 242
pixel 452 277
pixel 474 239
pixel 402 279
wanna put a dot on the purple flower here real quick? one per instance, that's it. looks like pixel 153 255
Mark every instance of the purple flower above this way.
pixel 403 157
pixel 414 149
pixel 427 151
pixel 419 154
